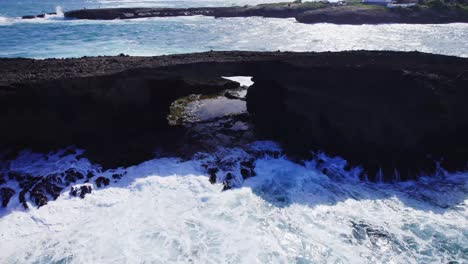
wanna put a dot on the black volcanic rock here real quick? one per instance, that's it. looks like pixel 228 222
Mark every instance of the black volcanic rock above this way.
pixel 278 10
pixel 38 196
pixel 5 195
pixel 308 12
pixel 397 120
pixel 389 110
pixel 102 181
pixel 80 191
pixel 368 14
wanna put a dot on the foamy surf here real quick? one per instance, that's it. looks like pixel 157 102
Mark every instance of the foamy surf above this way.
pixel 165 210
pixel 57 16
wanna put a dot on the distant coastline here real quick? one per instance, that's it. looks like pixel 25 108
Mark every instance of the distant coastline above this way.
pixel 308 12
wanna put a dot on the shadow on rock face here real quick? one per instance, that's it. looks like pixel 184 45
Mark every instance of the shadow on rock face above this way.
pixel 384 119
pixel 391 111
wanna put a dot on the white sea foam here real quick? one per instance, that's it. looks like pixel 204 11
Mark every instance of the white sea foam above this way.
pixel 157 36
pixel 58 14
pixel 166 211
pixel 5 21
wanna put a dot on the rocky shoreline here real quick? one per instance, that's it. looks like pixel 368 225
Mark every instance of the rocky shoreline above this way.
pixel 363 106
pixel 309 12
pixel 398 115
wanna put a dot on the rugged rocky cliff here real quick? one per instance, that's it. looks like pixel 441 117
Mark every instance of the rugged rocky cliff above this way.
pixel 396 120
pixel 390 110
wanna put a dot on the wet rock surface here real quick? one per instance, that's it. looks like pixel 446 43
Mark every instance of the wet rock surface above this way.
pixel 81 191
pixel 397 122
pixel 397 112
pixel 102 181
pixel 5 195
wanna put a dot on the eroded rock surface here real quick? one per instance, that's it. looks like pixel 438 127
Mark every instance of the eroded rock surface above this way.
pixel 395 111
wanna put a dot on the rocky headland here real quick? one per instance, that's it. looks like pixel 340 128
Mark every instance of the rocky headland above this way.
pixel 381 110
pixel 392 113
pixel 307 12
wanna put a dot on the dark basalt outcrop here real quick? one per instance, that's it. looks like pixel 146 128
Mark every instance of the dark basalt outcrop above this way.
pixel 394 111
pixel 277 10
pixel 41 188
pixel 379 15
pixel 81 191
pixel 308 12
pixel 5 195
pixel 396 120
pixel 98 112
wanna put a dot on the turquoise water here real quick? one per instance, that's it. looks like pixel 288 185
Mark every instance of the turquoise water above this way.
pixel 166 211
pixel 55 36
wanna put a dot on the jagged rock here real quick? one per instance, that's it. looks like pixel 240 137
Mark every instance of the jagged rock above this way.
pixel 84 190
pixel 74 191
pixel 38 196
pixel 248 169
pixel 320 12
pixel 22 199
pixel 376 109
pixel 117 176
pixel 227 182
pixel 90 175
pixel 72 175
pixel 102 181
pixel 81 190
pixel 6 194
pixel 383 118
pixel 212 172
pixel 226 186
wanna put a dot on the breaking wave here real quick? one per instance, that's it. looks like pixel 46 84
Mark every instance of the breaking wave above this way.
pixel 166 210
pixel 58 16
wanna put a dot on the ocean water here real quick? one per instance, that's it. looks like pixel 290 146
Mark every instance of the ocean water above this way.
pixel 166 211
pixel 55 36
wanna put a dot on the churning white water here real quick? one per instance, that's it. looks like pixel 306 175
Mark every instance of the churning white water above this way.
pixel 45 38
pixel 166 211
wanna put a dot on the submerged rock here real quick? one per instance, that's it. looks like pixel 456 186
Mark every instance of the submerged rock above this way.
pixel 38 196
pixel 102 181
pixel 5 195
pixel 81 190
pixel 212 172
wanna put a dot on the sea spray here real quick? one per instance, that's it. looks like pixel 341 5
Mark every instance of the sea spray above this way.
pixel 167 210
pixel 58 15
pixel 59 11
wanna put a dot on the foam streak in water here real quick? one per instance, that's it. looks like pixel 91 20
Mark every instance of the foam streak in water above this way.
pixel 156 36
